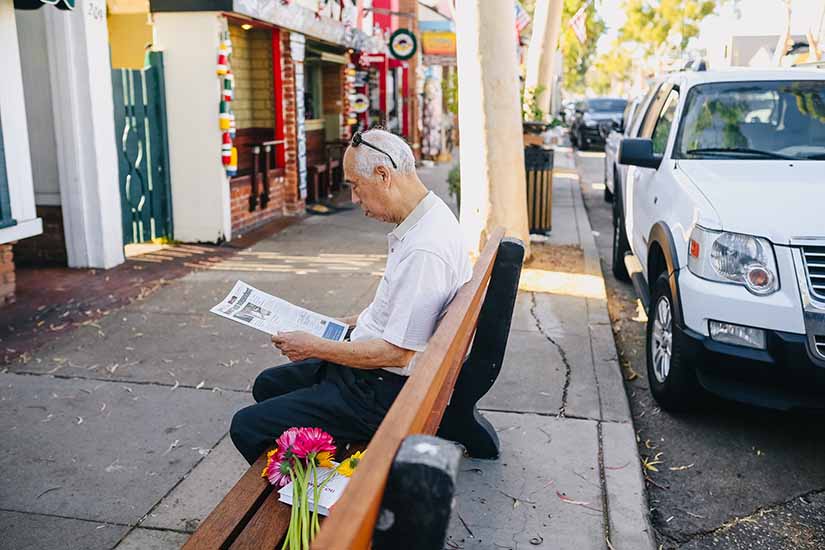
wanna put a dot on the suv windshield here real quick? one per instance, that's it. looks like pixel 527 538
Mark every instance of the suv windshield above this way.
pixel 754 120
pixel 606 105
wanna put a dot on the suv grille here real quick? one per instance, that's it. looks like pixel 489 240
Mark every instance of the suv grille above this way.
pixel 819 341
pixel 815 268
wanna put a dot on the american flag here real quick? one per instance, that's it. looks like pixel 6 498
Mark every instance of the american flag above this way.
pixel 522 17
pixel 579 23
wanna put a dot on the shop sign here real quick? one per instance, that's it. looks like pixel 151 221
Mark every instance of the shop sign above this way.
pixel 359 103
pixel 438 43
pixel 403 44
pixel 366 60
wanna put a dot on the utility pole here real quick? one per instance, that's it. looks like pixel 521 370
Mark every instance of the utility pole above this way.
pixel 493 190
pixel 541 53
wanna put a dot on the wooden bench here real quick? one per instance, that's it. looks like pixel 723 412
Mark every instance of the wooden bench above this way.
pixel 250 515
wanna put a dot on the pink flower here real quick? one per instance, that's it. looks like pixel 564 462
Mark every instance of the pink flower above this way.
pixel 277 472
pixel 287 440
pixel 312 441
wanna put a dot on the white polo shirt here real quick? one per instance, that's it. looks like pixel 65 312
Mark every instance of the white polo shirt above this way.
pixel 426 265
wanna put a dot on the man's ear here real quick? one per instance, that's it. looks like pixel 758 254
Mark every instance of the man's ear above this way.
pixel 384 173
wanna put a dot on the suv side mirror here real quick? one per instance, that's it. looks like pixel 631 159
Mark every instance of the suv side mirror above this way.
pixel 638 152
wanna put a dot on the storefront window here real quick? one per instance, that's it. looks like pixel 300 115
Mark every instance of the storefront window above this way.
pixel 313 96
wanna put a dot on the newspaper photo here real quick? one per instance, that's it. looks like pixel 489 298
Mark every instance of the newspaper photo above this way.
pixel 249 306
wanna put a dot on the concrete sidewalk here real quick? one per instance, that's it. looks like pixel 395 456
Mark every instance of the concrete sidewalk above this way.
pixel 116 434
pixel 569 473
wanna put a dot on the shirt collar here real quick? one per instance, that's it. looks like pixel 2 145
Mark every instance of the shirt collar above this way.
pixel 415 216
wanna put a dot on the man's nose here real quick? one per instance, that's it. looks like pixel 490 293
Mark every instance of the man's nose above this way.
pixel 355 199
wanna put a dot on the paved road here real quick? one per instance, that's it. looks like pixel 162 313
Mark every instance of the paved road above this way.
pixel 744 477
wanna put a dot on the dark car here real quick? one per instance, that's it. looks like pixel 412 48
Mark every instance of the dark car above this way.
pixel 594 119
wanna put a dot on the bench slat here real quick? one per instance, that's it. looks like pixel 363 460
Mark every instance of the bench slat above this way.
pixel 267 527
pixel 352 520
pixel 233 512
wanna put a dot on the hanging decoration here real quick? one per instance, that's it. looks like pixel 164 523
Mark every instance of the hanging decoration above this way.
pixel 232 168
pixel 226 118
pixel 226 149
pixel 228 86
pixel 349 93
pixel 232 129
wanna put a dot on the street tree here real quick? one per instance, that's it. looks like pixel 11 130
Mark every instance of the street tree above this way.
pixel 541 54
pixel 654 32
pixel 493 190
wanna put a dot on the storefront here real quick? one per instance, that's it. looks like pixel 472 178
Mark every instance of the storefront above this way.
pixel 439 122
pixel 259 134
pixel 58 161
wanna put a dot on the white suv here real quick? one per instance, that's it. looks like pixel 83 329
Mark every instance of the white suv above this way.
pixel 720 221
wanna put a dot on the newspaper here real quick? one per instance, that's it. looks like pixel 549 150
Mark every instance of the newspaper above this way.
pixel 257 309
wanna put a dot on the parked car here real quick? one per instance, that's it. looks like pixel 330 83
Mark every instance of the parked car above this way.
pixel 628 128
pixel 721 225
pixel 568 112
pixel 593 120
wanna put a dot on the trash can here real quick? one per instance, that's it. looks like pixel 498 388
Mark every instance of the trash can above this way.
pixel 538 167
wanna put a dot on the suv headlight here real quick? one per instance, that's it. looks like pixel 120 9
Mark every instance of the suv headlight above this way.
pixel 733 258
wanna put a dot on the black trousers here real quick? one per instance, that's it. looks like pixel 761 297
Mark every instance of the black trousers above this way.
pixel 348 403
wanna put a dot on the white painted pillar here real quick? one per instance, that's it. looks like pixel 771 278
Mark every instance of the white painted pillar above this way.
pixel 80 73
pixel 541 53
pixel 493 189
pixel 15 136
pixel 200 188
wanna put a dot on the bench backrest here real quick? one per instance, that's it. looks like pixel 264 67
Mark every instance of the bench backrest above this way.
pixel 417 409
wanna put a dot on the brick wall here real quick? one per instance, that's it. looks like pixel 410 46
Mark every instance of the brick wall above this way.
pixel 48 248
pixel 251 64
pixel 293 204
pixel 6 274
pixel 240 188
pixel 283 187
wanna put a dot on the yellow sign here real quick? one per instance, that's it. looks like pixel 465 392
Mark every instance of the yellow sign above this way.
pixel 438 43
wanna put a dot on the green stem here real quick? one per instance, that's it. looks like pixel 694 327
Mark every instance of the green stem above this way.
pixel 289 541
pixel 303 517
pixel 315 496
pixel 317 524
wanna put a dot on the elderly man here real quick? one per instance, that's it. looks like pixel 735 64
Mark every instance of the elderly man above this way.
pixel 347 387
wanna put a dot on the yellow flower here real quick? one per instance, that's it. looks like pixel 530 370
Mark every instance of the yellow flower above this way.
pixel 347 467
pixel 269 460
pixel 324 459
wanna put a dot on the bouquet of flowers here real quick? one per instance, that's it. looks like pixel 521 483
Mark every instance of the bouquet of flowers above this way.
pixel 298 455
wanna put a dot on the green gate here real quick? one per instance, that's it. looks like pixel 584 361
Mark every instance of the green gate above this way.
pixel 143 152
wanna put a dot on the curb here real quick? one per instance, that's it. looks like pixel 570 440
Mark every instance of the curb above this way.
pixel 627 508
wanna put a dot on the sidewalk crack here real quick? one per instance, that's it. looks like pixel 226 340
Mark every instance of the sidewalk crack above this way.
pixel 562 354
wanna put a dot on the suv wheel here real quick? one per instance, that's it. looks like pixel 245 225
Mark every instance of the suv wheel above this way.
pixel 608 195
pixel 620 244
pixel 670 372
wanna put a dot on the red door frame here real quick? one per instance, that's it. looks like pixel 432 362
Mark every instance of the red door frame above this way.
pixel 278 85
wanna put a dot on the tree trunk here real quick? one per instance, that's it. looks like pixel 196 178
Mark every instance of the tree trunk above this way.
pixel 785 41
pixel 541 53
pixel 493 189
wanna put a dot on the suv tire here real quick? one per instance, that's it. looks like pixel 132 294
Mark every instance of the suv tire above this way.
pixel 620 244
pixel 608 195
pixel 670 370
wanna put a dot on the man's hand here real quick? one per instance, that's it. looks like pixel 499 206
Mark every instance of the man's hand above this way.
pixel 297 345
